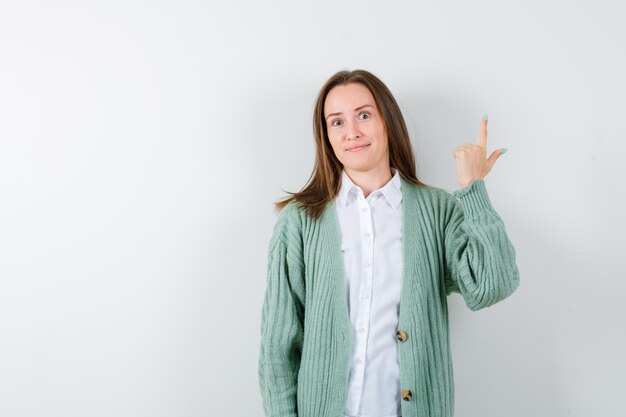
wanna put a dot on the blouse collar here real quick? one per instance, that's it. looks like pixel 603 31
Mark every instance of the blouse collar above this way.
pixel 392 191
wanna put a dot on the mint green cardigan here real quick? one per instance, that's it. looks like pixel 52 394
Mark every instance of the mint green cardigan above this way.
pixel 451 242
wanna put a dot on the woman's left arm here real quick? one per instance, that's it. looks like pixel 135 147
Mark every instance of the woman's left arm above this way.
pixel 479 257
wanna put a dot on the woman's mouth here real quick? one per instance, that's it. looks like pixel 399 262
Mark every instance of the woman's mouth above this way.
pixel 357 148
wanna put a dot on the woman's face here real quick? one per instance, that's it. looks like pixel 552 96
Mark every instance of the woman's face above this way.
pixel 355 128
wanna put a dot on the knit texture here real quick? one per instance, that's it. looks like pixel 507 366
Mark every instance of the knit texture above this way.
pixel 452 242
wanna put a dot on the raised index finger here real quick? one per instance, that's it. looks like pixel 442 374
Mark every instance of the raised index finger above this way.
pixel 482 136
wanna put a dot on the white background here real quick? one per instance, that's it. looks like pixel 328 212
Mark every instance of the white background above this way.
pixel 142 144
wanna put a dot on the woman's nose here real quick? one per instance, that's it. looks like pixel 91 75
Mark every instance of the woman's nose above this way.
pixel 352 131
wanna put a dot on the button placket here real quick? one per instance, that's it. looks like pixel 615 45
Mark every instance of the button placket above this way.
pixel 365 224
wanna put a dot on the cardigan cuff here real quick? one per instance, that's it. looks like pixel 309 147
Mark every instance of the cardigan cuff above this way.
pixel 474 199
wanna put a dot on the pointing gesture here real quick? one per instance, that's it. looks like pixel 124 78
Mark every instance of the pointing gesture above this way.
pixel 471 163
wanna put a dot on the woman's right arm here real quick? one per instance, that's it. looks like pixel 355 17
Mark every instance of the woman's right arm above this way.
pixel 282 319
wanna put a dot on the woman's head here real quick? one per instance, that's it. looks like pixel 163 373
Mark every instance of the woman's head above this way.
pixel 385 134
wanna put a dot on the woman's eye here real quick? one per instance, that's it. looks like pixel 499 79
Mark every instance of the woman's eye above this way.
pixel 360 114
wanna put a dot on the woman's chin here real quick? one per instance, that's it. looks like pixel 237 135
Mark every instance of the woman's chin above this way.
pixel 357 166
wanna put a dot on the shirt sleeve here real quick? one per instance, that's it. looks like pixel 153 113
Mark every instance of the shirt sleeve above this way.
pixel 479 257
pixel 282 327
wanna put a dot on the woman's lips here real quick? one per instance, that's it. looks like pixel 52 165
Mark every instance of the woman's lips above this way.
pixel 358 148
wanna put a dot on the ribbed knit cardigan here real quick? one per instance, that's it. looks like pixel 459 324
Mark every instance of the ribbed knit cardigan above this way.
pixel 452 242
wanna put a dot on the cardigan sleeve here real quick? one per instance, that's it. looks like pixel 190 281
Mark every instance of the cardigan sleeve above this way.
pixel 479 257
pixel 282 327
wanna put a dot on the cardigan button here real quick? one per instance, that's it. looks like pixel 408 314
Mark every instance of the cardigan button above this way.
pixel 406 395
pixel 401 335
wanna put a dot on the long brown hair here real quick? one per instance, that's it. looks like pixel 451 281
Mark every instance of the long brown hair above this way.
pixel 325 180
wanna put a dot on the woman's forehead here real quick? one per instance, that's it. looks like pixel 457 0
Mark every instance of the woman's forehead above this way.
pixel 346 98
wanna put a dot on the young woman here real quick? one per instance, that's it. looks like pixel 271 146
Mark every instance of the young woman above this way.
pixel 362 259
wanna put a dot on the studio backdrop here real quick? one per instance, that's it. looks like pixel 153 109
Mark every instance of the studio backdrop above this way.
pixel 143 144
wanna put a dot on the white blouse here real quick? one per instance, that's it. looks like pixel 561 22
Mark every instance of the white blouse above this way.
pixel 371 236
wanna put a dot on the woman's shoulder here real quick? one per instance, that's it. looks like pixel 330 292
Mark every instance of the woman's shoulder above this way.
pixel 472 200
pixel 293 209
pixel 289 216
pixel 287 231
pixel 429 194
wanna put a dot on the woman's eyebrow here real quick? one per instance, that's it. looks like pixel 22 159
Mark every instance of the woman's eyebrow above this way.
pixel 358 108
